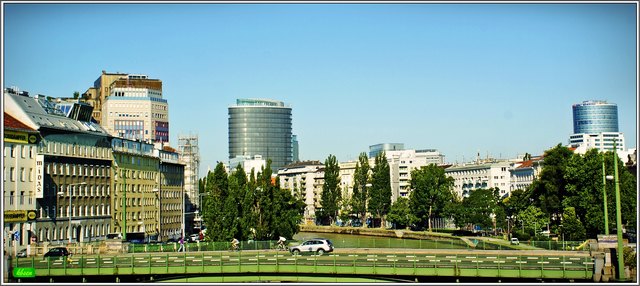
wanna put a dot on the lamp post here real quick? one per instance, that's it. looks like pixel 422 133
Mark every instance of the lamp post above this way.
pixel 69 214
pixel 604 194
pixel 618 214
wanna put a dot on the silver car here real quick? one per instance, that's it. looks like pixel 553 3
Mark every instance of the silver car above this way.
pixel 318 245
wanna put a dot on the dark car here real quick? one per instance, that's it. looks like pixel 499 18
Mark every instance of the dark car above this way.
pixel 22 253
pixel 57 252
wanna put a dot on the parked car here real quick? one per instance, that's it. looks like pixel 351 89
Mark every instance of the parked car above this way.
pixel 22 253
pixel 194 237
pixel 515 241
pixel 57 252
pixel 319 245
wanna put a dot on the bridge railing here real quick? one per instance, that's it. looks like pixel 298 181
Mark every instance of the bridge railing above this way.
pixel 381 263
pixel 369 242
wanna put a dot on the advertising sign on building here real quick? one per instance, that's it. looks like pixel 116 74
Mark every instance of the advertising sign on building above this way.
pixel 39 176
pixel 19 215
pixel 19 137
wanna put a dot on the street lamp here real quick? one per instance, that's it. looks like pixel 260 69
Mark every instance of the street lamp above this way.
pixel 69 192
pixel 618 214
pixel 604 194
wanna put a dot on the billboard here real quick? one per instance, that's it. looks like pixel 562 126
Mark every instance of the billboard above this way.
pixel 39 176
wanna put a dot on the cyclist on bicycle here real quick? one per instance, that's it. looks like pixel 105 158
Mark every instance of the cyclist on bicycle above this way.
pixel 281 242
pixel 234 244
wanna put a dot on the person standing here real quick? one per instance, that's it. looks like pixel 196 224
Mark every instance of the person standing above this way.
pixel 181 244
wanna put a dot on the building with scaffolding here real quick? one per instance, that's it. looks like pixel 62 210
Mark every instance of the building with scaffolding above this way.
pixel 190 157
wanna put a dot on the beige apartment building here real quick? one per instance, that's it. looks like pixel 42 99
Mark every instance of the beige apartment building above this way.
pixel 136 182
pixel 135 110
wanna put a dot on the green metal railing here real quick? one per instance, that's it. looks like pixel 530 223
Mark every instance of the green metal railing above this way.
pixel 369 242
pixel 472 264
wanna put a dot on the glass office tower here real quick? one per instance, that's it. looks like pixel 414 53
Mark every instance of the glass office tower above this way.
pixel 261 127
pixel 592 117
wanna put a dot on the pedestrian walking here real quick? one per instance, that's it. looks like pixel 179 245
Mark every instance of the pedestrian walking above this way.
pixel 181 244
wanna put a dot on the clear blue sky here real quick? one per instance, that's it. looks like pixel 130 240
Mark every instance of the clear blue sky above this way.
pixel 461 78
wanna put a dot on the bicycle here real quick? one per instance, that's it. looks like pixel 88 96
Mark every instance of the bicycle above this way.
pixel 279 246
pixel 234 247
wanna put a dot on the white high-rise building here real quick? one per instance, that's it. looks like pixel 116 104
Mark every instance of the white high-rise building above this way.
pixel 135 110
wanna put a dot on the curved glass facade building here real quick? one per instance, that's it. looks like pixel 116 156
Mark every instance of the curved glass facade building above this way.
pixel 594 116
pixel 261 127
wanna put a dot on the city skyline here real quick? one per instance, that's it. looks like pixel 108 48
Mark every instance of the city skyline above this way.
pixel 496 79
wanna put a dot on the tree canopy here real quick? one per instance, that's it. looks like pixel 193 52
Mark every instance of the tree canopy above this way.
pixel 241 208
pixel 360 194
pixel 431 192
pixel 331 196
pixel 380 194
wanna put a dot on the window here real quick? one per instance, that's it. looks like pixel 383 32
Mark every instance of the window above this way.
pixel 12 174
pixel 13 150
pixel 24 151
pixel 30 174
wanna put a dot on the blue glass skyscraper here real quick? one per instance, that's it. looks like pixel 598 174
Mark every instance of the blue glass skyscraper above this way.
pixel 592 117
pixel 261 127
pixel 595 125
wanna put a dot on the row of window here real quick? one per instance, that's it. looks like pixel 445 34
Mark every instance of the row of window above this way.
pixel 23 174
pixel 12 198
pixel 77 210
pixel 61 233
pixel 24 151
pixel 79 190
pixel 75 150
pixel 78 170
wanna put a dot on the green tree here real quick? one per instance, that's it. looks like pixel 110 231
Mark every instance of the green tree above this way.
pixel 360 190
pixel 532 219
pixel 265 198
pixel 331 196
pixel 584 191
pixel 550 189
pixel 432 190
pixel 216 188
pixel 76 95
pixel 517 202
pixel 380 194
pixel 288 212
pixel 480 206
pixel 400 213
pixel 249 208
pixel 572 228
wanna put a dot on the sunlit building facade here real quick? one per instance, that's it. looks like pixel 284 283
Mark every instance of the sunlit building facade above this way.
pixel 261 127
pixel 135 110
